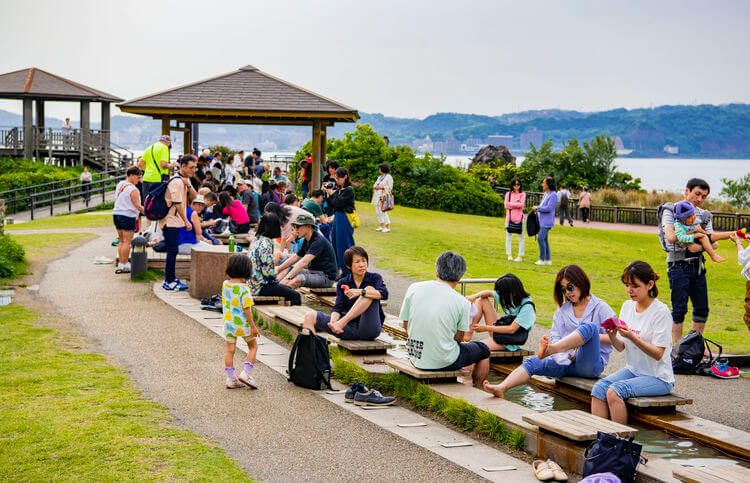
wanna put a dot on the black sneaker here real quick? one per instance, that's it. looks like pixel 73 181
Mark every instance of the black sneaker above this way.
pixel 372 398
pixel 357 387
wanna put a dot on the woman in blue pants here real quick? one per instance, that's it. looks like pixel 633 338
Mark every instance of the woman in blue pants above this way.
pixel 341 199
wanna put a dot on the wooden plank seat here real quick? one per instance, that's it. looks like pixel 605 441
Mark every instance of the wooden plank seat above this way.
pixel 265 299
pixel 587 384
pixel 394 326
pixel 239 238
pixel 157 261
pixel 406 367
pixel 577 425
pixel 712 474
pixel 322 290
pixel 505 355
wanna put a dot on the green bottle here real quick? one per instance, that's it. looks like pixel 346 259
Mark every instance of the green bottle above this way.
pixel 231 243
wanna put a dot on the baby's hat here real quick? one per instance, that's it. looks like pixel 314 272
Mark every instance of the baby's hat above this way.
pixel 683 209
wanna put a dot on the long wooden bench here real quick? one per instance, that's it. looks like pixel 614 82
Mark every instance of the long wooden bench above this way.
pixel 157 261
pixel 406 367
pixel 587 384
pixel 266 300
pixel 577 425
pixel 713 474
pixel 239 238
pixel 509 356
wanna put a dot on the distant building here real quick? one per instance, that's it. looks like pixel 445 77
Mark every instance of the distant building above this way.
pixel 671 149
pixel 474 141
pixel 452 145
pixel 498 140
pixel 422 145
pixel 531 137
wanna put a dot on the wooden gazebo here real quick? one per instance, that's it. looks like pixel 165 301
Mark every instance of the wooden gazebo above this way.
pixel 245 96
pixel 35 86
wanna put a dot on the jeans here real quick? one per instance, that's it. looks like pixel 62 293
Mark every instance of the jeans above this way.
pixel 366 327
pixel 626 384
pixel 210 238
pixel 585 214
pixel 588 361
pixel 275 289
pixel 305 189
pixel 86 185
pixel 688 280
pixel 172 240
pixel 543 241
pixel 565 214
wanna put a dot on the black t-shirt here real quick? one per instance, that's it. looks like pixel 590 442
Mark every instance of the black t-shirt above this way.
pixel 248 198
pixel 325 259
pixel 248 163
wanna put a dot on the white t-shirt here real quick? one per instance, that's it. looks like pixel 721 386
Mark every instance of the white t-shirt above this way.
pixel 434 312
pixel 123 204
pixel 86 176
pixel 655 327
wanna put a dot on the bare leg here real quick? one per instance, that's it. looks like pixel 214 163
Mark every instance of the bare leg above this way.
pixel 599 408
pixel 570 341
pixel 309 321
pixel 492 345
pixel 484 309
pixel 516 378
pixel 479 374
pixel 677 332
pixel 121 258
pixel 229 355
pixel 252 350
pixel 617 410
pixel 123 249
pixel 357 309
pixel 706 243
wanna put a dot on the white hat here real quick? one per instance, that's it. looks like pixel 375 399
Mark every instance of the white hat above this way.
pixel 199 199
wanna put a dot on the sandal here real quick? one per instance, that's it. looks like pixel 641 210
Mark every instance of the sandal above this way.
pixel 557 472
pixel 542 470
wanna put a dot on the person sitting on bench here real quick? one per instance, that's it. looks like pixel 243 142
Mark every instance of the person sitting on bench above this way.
pixel 436 317
pixel 577 344
pixel 314 264
pixel 357 314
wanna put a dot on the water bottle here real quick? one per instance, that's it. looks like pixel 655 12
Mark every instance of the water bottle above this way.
pixel 231 243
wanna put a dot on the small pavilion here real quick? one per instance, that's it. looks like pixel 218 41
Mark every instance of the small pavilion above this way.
pixel 245 96
pixel 34 87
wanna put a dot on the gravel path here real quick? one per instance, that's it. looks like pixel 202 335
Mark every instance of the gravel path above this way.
pixel 278 433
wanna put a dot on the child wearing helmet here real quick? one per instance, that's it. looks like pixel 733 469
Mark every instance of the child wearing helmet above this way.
pixel 693 236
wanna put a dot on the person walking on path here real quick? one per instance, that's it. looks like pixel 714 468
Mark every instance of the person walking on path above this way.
pixel 645 327
pixel 383 187
pixel 546 210
pixel 685 270
pixel 176 197
pixel 263 281
pixel 584 202
pixel 577 345
pixel 515 200
pixel 564 197
pixel 125 215
pixel 237 306
pixel 86 184
pixel 342 201
pixel 155 163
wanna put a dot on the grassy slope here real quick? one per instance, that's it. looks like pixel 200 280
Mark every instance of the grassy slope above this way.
pixel 419 236
pixel 65 221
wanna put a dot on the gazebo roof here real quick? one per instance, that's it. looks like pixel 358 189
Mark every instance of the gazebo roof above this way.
pixel 38 84
pixel 246 95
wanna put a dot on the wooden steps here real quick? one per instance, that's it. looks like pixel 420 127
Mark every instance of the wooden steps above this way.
pixel 577 425
pixel 406 367
pixel 713 474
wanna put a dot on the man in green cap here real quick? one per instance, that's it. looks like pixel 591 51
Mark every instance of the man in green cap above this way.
pixel 314 265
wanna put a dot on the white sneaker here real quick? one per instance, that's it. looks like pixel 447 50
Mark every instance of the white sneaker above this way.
pixel 510 258
pixel 519 258
pixel 379 228
pixel 233 384
pixel 247 380
pixel 126 266
pixel 386 230
pixel 540 262
pixel 548 262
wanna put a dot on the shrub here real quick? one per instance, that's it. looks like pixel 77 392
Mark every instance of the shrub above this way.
pixel 7 268
pixel 20 173
pixel 226 153
pixel 11 249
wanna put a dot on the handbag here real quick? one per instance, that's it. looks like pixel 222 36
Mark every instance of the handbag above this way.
pixel 353 219
pixel 608 453
pixel 532 224
pixel 516 338
pixel 516 228
pixel 386 202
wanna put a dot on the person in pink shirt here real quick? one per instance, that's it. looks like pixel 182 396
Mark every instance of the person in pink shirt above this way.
pixel 515 200
pixel 235 211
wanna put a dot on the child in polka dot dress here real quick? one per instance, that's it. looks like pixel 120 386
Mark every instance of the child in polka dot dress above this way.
pixel 238 320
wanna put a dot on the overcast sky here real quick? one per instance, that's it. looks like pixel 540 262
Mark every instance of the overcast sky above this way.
pixel 400 58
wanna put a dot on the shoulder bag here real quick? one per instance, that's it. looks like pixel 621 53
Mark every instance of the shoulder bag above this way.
pixel 609 453
pixel 516 338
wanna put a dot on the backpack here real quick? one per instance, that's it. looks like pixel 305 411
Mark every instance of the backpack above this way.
pixel 155 206
pixel 659 215
pixel 688 358
pixel 518 337
pixel 564 199
pixel 309 362
pixel 532 224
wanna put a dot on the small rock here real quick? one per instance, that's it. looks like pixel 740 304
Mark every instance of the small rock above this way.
pixel 493 154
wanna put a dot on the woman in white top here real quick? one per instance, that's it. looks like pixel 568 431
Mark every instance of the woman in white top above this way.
pixel 125 215
pixel 644 331
pixel 382 187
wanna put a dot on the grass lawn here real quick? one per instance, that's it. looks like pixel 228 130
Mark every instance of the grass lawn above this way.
pixel 42 246
pixel 65 221
pixel 69 415
pixel 419 236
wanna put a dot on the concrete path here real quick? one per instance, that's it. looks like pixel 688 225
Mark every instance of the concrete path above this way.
pixel 57 208
pixel 278 433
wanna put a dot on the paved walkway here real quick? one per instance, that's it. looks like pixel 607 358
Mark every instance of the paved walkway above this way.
pixel 58 208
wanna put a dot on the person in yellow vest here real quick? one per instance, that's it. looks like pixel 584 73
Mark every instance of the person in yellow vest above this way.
pixel 155 163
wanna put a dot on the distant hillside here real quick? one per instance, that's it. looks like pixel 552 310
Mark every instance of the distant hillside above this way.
pixel 705 130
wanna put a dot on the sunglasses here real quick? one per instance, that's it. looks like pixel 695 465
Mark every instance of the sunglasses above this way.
pixel 568 288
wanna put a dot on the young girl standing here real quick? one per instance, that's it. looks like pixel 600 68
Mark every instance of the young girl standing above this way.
pixel 238 320
pixel 646 338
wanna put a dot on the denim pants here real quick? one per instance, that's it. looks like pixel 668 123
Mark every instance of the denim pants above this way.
pixel 172 240
pixel 543 240
pixel 688 281
pixel 626 384
pixel 588 361
pixel 275 289
pixel 565 214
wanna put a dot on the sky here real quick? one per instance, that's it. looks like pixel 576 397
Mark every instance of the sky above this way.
pixel 398 58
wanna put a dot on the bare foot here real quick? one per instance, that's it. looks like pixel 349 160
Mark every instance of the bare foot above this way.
pixel 718 259
pixel 543 345
pixel 337 327
pixel 496 390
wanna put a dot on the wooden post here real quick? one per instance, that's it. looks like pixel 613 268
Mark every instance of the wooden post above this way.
pixel 28 134
pixel 105 134
pixel 187 138
pixel 195 137
pixel 316 152
pixel 85 127
pixel 323 154
pixel 165 129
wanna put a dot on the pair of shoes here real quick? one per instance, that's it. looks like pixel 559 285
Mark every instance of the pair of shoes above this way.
pixel 380 228
pixel 742 233
pixel 519 258
pixel 510 258
pixel 385 230
pixel 548 470
pixel 175 285
pixel 116 242
pixel 372 398
pixel 247 380
pixel 122 268
pixel 540 262
pixel 233 384
pixel 548 262
pixel 722 370
pixel 356 388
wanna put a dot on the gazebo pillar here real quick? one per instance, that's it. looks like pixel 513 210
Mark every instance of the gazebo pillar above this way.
pixel 323 153
pixel 39 115
pixel 106 128
pixel 28 129
pixel 194 135
pixel 165 129
pixel 187 138
pixel 316 155
pixel 85 115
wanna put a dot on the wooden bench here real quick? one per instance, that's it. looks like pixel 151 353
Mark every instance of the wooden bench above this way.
pixel 207 269
pixel 265 300
pixel 322 290
pixel 406 367
pixel 587 384
pixel 509 356
pixel 240 238
pixel 713 474
pixel 394 325
pixel 157 261
pixel 577 425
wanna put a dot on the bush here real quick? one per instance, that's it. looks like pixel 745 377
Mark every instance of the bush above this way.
pixel 737 191
pixel 11 249
pixel 7 268
pixel 226 153
pixel 20 173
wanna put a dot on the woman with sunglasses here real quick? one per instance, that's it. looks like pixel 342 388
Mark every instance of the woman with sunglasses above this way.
pixel 515 200
pixel 546 211
pixel 577 345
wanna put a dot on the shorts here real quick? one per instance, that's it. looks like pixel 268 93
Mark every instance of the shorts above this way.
pixel 233 340
pixel 314 279
pixel 468 353
pixel 124 223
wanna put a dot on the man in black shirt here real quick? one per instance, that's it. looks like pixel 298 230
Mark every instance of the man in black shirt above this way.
pixel 314 265
pixel 248 200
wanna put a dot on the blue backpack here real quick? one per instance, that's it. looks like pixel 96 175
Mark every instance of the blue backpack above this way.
pixel 155 206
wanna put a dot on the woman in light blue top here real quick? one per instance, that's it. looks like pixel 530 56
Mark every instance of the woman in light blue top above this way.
pixel 515 302
pixel 546 211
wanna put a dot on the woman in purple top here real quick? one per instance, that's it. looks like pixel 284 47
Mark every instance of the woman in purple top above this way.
pixel 546 211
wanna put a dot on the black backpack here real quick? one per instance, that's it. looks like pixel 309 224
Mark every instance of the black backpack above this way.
pixel 564 200
pixel 309 362
pixel 516 338
pixel 532 224
pixel 688 358
pixel 155 206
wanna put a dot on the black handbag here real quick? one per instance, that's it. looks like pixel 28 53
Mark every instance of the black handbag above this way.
pixel 532 224
pixel 514 227
pixel 609 453
pixel 516 338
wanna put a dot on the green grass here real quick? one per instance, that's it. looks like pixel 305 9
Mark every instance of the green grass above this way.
pixel 419 236
pixel 274 328
pixel 64 221
pixel 69 415
pixel 150 275
pixel 38 247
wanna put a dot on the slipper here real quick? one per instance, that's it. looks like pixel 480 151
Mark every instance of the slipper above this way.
pixel 542 470
pixel 558 472
pixel 122 270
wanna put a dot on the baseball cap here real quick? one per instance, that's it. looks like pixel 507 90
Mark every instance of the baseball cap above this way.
pixel 304 219
pixel 165 139
pixel 199 199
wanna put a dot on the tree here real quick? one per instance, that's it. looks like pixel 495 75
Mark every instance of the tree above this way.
pixel 737 191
